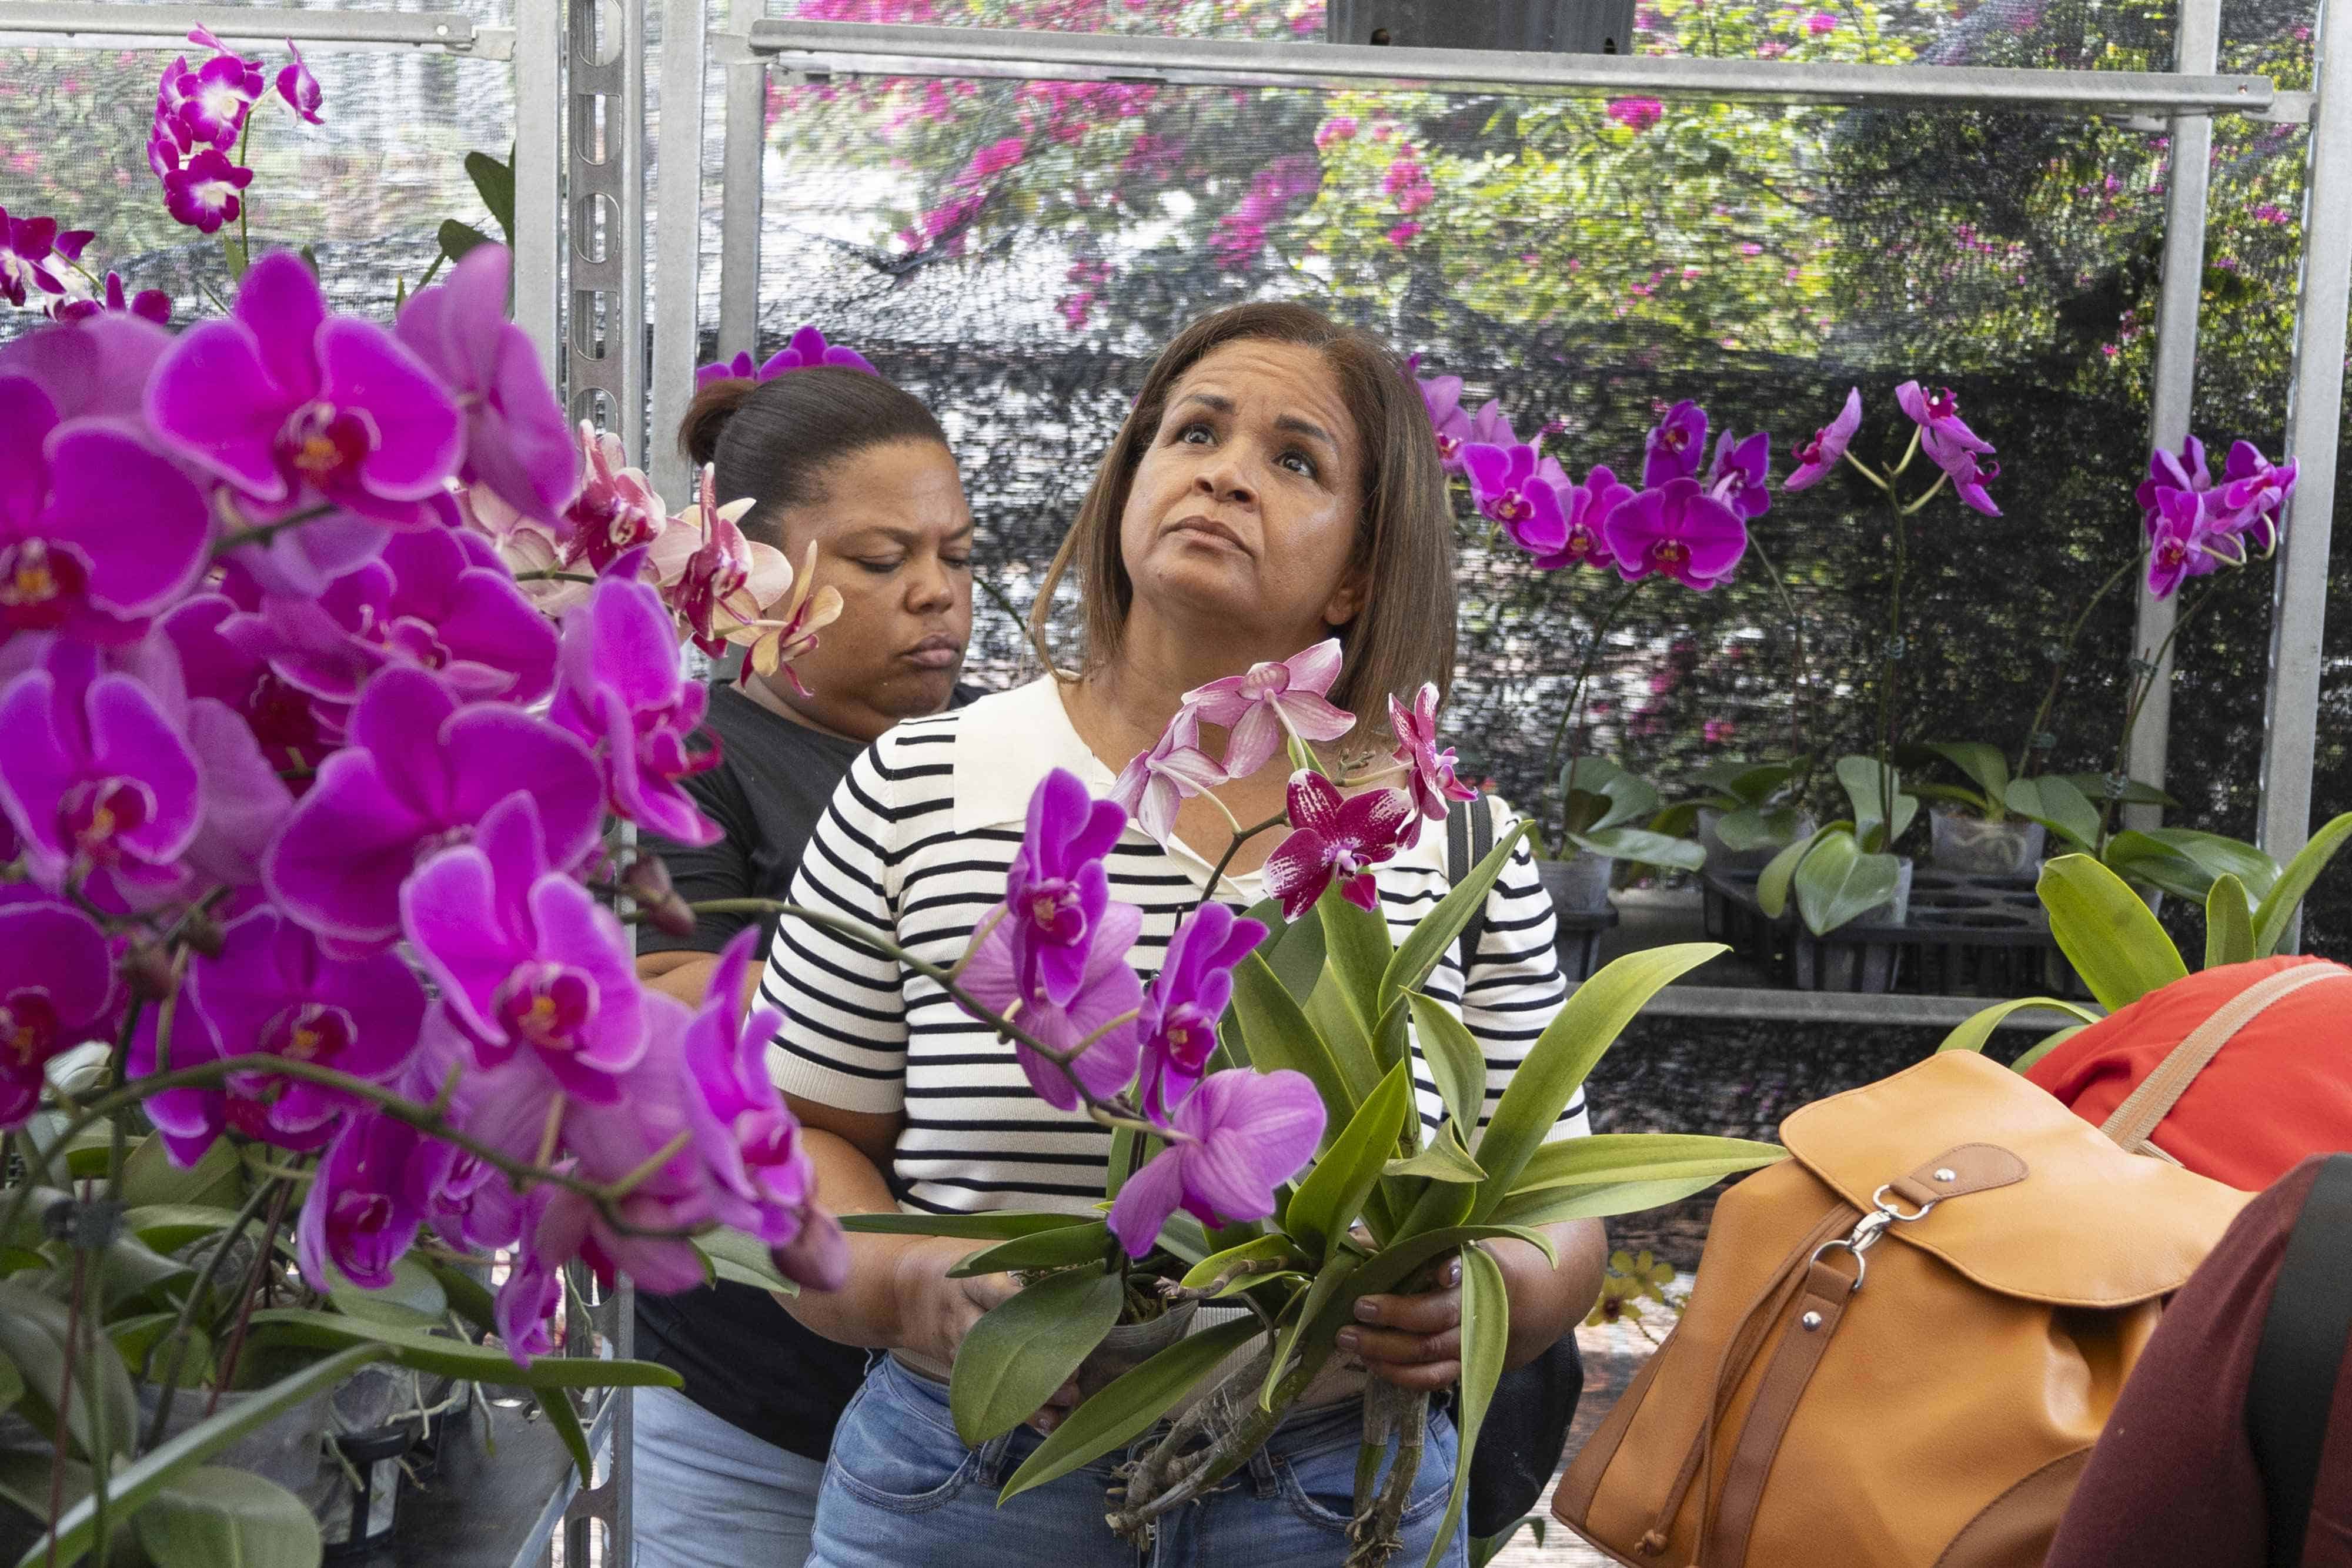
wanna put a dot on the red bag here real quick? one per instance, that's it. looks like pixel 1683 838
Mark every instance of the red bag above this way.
pixel 2155 1074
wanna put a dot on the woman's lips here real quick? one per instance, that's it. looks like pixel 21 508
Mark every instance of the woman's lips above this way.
pixel 934 653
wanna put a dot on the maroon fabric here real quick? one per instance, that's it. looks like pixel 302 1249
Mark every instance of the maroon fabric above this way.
pixel 2172 1484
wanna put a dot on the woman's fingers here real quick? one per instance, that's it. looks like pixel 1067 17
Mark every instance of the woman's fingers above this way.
pixel 1394 1347
pixel 1424 1377
pixel 1436 1311
pixel 1046 1419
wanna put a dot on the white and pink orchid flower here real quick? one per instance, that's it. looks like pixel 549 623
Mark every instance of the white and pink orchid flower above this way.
pixel 778 641
pixel 719 583
pixel 1258 706
pixel 1173 771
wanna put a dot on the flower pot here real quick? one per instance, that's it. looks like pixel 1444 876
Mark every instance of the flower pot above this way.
pixel 1578 886
pixel 1722 857
pixel 1962 842
pixel 1839 962
pixel 1129 1345
pixel 284 1450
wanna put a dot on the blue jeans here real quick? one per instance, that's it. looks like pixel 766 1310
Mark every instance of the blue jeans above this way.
pixel 704 1493
pixel 902 1492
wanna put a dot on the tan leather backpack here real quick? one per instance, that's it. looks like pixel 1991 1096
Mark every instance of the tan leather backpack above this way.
pixel 1831 1398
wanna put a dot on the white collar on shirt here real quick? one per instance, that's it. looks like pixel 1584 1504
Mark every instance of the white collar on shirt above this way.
pixel 1007 741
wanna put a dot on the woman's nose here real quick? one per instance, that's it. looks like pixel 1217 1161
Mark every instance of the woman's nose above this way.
pixel 929 586
pixel 1224 481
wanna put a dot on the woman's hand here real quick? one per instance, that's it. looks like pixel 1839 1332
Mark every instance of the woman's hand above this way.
pixel 1414 1342
pixel 937 1311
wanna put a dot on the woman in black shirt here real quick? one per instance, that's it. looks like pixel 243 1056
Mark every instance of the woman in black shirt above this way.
pixel 728 1468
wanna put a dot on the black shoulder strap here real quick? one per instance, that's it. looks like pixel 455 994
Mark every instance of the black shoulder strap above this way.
pixel 2299 1360
pixel 1469 839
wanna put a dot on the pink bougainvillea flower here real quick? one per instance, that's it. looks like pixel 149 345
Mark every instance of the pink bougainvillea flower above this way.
pixel 298 88
pixel 1257 705
pixel 57 990
pixel 1510 488
pixel 622 692
pixel 1173 771
pixel 1679 530
pixel 101 786
pixel 806 348
pixel 517 442
pixel 1818 456
pixel 207 190
pixel 272 990
pixel 148 304
pixel 1335 840
pixel 1675 446
pixel 421 771
pixel 1430 772
pixel 1230 1143
pixel 1096 1017
pixel 1587 507
pixel 295 407
pixel 1636 114
pixel 26 246
pixel 1177 1024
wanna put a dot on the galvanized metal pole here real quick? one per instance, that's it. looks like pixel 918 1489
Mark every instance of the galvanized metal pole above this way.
pixel 739 197
pixel 2174 395
pixel 605 334
pixel 538 177
pixel 677 245
pixel 2314 427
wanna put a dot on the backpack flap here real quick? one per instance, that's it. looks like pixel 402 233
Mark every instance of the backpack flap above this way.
pixel 2039 1204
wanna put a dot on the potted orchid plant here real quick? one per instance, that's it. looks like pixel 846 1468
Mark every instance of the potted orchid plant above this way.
pixel 1268 1151
pixel 316 989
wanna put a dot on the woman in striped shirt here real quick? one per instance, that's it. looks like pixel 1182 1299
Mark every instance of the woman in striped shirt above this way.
pixel 1277 482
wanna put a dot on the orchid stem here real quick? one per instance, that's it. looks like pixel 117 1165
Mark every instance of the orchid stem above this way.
pixel 1887 665
pixel 262 533
pixel 1798 683
pixel 1908 452
pixel 1241 836
pixel 2065 655
pixel 553 574
pixel 177 1340
pixel 1931 496
pixel 2143 684
pixel 1867 471
pixel 1575 701
pixel 654 1162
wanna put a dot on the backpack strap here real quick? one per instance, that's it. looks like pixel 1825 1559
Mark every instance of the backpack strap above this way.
pixel 1469 839
pixel 2300 1358
pixel 2150 1103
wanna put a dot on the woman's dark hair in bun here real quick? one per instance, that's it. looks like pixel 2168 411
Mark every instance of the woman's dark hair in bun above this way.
pixel 773 440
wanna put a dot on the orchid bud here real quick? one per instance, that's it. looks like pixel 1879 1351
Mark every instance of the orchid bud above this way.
pixel 149 970
pixel 647 881
pixel 202 933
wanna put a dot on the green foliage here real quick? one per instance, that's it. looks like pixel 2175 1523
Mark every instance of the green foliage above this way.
pixel 1486 1338
pixel 2106 931
pixel 1129 1403
pixel 1026 1346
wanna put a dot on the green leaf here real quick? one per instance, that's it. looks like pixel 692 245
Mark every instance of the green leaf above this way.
pixel 556 1405
pixel 2229 924
pixel 413 1300
pixel 1357 942
pixel 292 1326
pixel 1486 1338
pixel 2093 787
pixel 1611 1158
pixel 1838 883
pixel 1329 1281
pixel 210 1517
pixel 469 1297
pixel 1602 794
pixel 150 1179
pixel 1065 1248
pixel 1755 826
pixel 141 1480
pixel 1259 1250
pixel 1185 1237
pixel 1278 1035
pixel 1442 926
pixel 998 1226
pixel 2059 805
pixel 1297 953
pixel 1862 780
pixel 1454 1059
pixel 237 258
pixel 457 238
pixel 1552 1206
pixel 495 181
pixel 1772 886
pixel 1595 1014
pixel 1122 1409
pixel 2276 912
pixel 2215 854
pixel 1977 1030
pixel 1983 763
pixel 1343 1029
pixel 1392 1266
pixel 168 1227
pixel 33 1339
pixel 130 1271
pixel 1641 847
pixel 2106 932
pixel 12 1385
pixel 1446 1159
pixel 2145 862
pixel 140 1341
pixel 1026 1346
pixel 1333 1193
pixel 309 259
pixel 2048 1043
pixel 734 1255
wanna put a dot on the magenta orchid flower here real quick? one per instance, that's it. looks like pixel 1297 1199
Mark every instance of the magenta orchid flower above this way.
pixel 551 1234
pixel 622 694
pixel 57 990
pixel 615 511
pixel 101 788
pixel 272 990
pixel 148 303
pixel 1429 771
pixel 100 369
pixel 26 246
pixel 517 440
pixel 1442 396
pixel 1675 446
pixel 1055 890
pixel 1951 444
pixel 1741 476
pixel 367 1202
pixel 1230 1143
pixel 1509 489
pixel 1676 529
pixel 1178 1023
pixel 1816 457
pixel 806 349
pixel 1151 786
pixel 1587 507
pixel 95 527
pixel 421 771
pixel 2181 470
pixel 209 102
pixel 526 959
pixel 2254 492
pixel 1490 427
pixel 205 191
pixel 298 88
pixel 2183 547
pixel 1332 840
pixel 1096 1018
pixel 1257 705
pixel 293 406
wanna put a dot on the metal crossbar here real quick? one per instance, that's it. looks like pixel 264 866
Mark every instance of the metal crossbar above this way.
pixel 44 21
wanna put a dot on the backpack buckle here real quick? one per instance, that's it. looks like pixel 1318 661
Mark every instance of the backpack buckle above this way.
pixel 1884 1216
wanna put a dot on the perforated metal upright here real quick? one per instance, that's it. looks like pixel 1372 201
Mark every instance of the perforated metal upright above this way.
pixel 605 213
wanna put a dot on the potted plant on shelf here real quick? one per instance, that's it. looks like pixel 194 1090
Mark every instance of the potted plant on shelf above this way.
pixel 1974 830
pixel 1267 1139
pixel 1745 812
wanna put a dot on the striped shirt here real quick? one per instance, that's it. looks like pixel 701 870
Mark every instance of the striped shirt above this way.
pixel 916 842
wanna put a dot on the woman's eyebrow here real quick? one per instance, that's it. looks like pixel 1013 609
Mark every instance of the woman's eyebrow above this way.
pixel 1290 422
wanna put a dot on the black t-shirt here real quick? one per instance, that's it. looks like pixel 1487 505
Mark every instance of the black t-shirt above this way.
pixel 744 1358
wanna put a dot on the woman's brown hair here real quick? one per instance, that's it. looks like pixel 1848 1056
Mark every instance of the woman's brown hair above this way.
pixel 1403 635
pixel 773 440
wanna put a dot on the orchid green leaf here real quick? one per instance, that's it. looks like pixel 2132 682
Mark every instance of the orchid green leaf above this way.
pixel 2058 805
pixel 2047 1044
pixel 101 1405
pixel 1607 1158
pixel 2229 924
pixel 1638 846
pixel 2106 932
pixel 1442 926
pixel 1333 1193
pixel 1837 883
pixel 1984 764
pixel 2276 912
pixel 1122 1409
pixel 1277 1034
pixel 1065 1248
pixel 1772 887
pixel 1026 1346
pixel 1485 1337
pixel 1446 1159
pixel 1976 1031
pixel 1454 1059
pixel 994 1226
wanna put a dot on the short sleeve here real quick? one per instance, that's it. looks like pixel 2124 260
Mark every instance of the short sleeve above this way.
pixel 1514 987
pixel 720 869
pixel 843 1040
